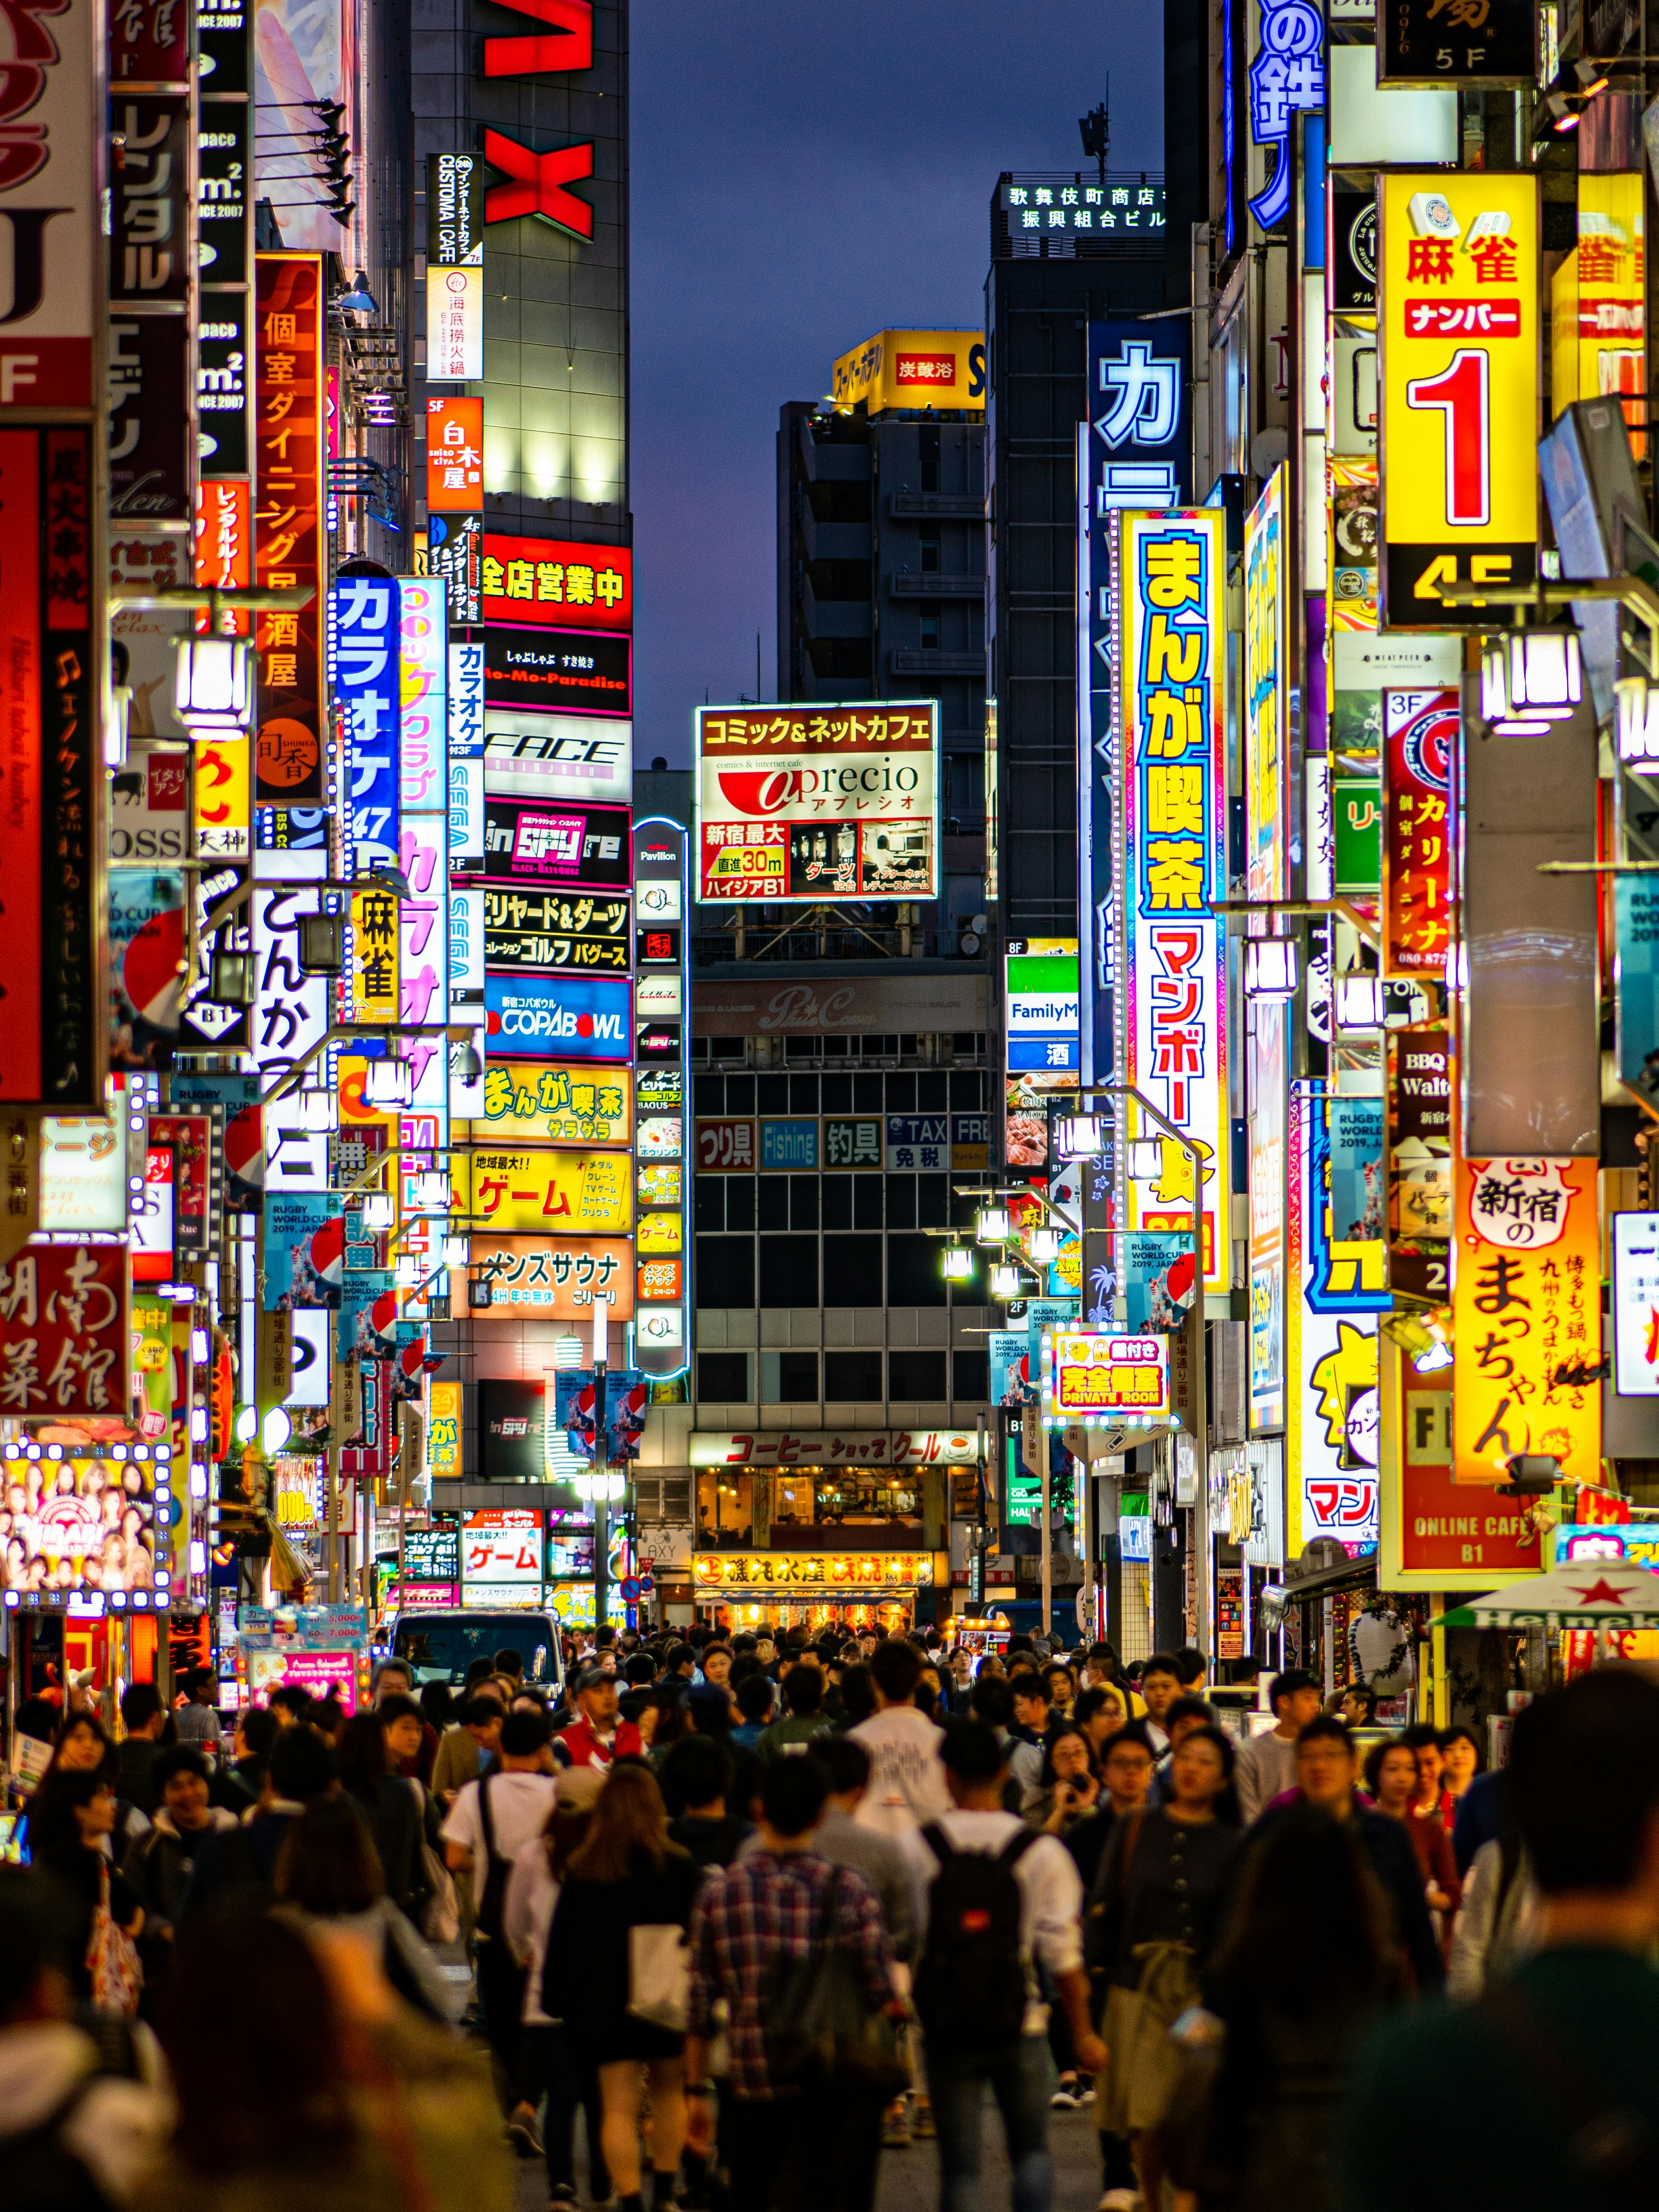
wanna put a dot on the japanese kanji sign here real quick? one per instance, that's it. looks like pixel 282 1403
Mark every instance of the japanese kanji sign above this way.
pixel 1332 1412
pixel 1266 677
pixel 363 663
pixel 63 1330
pixel 1287 78
pixel 1141 453
pixel 54 1037
pixel 1460 42
pixel 829 1448
pixel 1089 1374
pixel 1458 358
pixel 1597 333
pixel 1420 1164
pixel 50 182
pixel 800 804
pixel 454 450
pixel 1419 751
pixel 454 268
pixel 553 1277
pixel 1435 1535
pixel 1526 1317
pixel 548 583
pixel 287 525
pixel 1172 827
pixel 728 1147
pixel 526 929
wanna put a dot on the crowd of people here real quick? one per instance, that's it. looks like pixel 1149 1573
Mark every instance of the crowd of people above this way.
pixel 757 1914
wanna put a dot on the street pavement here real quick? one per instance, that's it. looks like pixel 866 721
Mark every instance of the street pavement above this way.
pixel 909 2180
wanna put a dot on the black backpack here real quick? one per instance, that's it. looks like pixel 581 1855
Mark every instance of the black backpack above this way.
pixel 488 1916
pixel 41 2171
pixel 971 1989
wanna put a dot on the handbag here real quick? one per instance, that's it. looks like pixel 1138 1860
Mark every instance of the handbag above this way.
pixel 659 1976
pixel 821 2027
pixel 112 1956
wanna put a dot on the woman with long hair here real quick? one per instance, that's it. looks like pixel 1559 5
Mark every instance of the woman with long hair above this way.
pixel 392 1808
pixel 1392 1771
pixel 71 1818
pixel 329 1877
pixel 625 1874
pixel 1307 1963
pixel 298 2079
pixel 1153 1920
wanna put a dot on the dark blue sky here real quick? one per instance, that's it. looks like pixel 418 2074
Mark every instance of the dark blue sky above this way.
pixel 802 178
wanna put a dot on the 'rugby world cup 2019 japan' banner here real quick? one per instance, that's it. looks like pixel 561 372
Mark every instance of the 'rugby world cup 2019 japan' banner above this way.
pixel 1173 817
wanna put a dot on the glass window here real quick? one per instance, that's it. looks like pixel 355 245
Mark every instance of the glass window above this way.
pixel 740 1202
pixel 773 1209
pixel 803 1201
pixel 848 1375
pixel 867 1201
pixel 838 1201
pixel 724 1510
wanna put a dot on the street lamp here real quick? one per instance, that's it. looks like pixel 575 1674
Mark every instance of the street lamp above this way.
pixel 213 685
pixel 389 1083
pixel 1080 1136
pixel 994 1224
pixel 958 1265
pixel 1270 967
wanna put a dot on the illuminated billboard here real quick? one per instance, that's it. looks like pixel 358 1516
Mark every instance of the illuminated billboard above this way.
pixel 933 370
pixel 800 804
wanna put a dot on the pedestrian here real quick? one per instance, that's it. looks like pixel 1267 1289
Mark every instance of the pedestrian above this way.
pixel 329 1878
pixel 299 2079
pixel 1356 1705
pixel 1194 1669
pixel 803 1720
pixel 754 1702
pixel 895 1869
pixel 71 1820
pixel 552 2057
pixel 1100 1714
pixel 411 1741
pixel 1325 1772
pixel 1391 1776
pixel 1032 1711
pixel 197 1719
pixel 82 1747
pixel 1306 1967
pixel 1265 1766
pixel 159 1863
pixel 1460 1751
pixel 1104 1670
pixel 301 1769
pixel 814 2148
pixel 1431 1800
pixel 1556 2065
pixel 1160 1686
pixel 437 1701
pixel 78 2129
pixel 144 1717
pixel 696 1778
pixel 388 1804
pixel 1062 1690
pixel 717 1666
pixel 627 1881
pixel 235 1787
pixel 597 1736
pixel 463 1752
pixel 1184 1717
pixel 993 1702
pixel 291 1704
pixel 1124 1764
pixel 1068 1784
pixel 1497 1920
pixel 906 1772
pixel 1004 1902
pixel 857 1694
pixel 488 1825
pixel 1154 1917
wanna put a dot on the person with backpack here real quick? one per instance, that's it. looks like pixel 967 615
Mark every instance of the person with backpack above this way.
pixel 488 1825
pixel 1005 1900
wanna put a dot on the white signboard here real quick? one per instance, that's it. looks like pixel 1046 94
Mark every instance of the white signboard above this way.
pixel 1635 1304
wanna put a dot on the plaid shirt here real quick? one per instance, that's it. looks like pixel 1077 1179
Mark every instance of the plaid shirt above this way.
pixel 760 1910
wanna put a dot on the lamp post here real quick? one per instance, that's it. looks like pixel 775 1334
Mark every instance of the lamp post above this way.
pixel 1195 1324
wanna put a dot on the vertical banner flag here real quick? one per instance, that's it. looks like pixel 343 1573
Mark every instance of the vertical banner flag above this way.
pixel 1458 340
pixel 1173 820
pixel 1527 1318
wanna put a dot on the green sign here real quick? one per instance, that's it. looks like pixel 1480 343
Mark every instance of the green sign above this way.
pixel 1357 816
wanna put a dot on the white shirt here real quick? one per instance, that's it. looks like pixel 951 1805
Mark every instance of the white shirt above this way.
pixel 1050 1886
pixel 907 1771
pixel 519 1806
pixel 526 1918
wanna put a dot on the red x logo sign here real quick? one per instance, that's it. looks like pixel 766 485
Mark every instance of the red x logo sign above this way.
pixel 538 188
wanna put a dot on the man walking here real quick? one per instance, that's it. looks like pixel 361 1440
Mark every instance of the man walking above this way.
pixel 1264 1767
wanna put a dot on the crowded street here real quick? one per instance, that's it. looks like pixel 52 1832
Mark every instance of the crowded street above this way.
pixel 828 1107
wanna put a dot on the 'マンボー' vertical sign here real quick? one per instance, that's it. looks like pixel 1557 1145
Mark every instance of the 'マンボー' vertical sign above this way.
pixel 1171 632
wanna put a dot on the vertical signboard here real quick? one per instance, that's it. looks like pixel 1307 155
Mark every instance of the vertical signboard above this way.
pixel 662 1313
pixel 51 107
pixel 1437 1536
pixel 1458 339
pixel 423 846
pixel 362 655
pixel 288 545
pixel 1333 1414
pixel 1266 712
pixel 52 1040
pixel 1526 1317
pixel 454 268
pixel 1140 379
pixel 1419 758
pixel 1173 814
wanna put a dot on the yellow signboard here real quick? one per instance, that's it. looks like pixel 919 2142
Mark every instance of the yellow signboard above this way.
pixel 1458 358
pixel 374 962
pixel 525 1103
pixel 933 370
pixel 443 1436
pixel 1597 335
pixel 1527 1318
pixel 1266 677
pixel 572 1193
pixel 222 799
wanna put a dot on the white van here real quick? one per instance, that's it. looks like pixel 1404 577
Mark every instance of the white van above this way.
pixel 440 1646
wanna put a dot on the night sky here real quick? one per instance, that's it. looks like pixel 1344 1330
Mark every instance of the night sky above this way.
pixel 802 179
